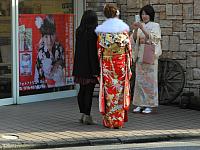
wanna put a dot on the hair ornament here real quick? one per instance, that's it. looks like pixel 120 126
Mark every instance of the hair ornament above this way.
pixel 38 22
pixel 117 13
pixel 104 6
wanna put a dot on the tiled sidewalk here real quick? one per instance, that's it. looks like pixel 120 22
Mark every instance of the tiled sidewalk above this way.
pixel 55 124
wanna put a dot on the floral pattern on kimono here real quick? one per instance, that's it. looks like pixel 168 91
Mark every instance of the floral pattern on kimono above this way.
pixel 50 66
pixel 146 82
pixel 114 51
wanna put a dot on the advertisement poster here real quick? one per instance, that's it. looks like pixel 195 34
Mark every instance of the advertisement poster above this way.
pixel 45 50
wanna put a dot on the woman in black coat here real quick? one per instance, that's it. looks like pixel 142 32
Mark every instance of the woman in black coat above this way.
pixel 86 64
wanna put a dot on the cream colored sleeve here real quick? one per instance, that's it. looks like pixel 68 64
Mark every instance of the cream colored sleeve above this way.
pixel 155 37
pixel 135 47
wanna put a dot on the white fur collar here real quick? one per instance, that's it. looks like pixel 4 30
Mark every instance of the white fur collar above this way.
pixel 112 25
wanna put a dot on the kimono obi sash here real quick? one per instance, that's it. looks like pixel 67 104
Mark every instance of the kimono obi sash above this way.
pixel 114 51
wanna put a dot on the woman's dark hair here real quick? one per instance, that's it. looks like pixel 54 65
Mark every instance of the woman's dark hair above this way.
pixel 89 21
pixel 48 27
pixel 148 9
pixel 110 11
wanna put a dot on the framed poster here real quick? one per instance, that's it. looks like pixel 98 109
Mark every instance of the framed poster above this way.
pixel 45 50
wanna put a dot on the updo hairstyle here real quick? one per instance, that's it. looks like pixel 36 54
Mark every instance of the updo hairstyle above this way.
pixel 110 11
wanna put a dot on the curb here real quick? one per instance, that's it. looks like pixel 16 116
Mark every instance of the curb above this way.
pixel 91 142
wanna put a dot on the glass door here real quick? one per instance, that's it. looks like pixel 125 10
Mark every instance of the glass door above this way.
pixel 46 49
pixel 6 52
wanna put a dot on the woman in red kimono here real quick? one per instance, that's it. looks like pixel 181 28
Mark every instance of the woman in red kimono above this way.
pixel 114 51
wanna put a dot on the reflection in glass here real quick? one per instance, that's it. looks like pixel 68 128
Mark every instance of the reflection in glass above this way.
pixel 5 50
pixel 45 6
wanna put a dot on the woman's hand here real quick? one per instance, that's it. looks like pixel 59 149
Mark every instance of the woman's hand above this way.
pixel 135 25
pixel 140 25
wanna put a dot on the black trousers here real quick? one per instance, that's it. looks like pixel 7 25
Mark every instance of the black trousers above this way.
pixel 85 98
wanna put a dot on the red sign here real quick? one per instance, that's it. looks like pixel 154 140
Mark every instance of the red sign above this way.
pixel 45 50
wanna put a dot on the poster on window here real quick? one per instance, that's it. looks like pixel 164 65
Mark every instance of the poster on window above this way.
pixel 45 51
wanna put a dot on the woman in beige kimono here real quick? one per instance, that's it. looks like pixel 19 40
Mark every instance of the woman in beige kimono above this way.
pixel 146 82
pixel 115 57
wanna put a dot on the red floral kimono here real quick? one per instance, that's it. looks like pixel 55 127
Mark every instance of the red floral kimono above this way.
pixel 115 55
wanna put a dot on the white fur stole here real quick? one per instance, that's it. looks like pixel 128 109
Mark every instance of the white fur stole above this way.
pixel 112 25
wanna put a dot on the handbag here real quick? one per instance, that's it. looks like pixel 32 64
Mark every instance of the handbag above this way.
pixel 149 53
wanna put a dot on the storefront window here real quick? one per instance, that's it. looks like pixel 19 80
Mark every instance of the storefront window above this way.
pixel 46 31
pixel 5 49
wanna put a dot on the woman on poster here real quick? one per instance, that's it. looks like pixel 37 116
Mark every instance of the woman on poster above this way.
pixel 114 50
pixel 50 64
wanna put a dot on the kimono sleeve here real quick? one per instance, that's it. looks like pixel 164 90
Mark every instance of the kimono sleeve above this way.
pixel 99 47
pixel 155 34
pixel 155 37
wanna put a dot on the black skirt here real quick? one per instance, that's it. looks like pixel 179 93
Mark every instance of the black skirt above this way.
pixel 84 81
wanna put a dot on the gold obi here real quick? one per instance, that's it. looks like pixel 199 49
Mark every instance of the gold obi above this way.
pixel 113 50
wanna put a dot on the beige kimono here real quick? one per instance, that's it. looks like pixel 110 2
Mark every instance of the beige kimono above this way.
pixel 146 81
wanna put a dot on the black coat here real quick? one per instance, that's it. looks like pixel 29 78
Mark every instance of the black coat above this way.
pixel 86 63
